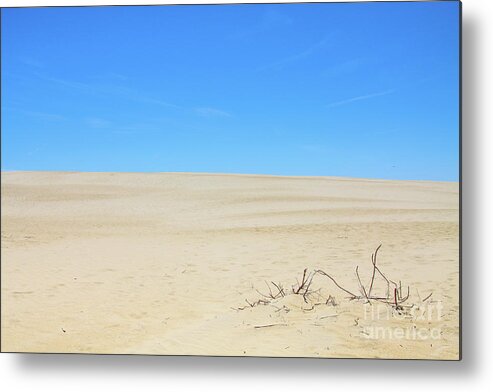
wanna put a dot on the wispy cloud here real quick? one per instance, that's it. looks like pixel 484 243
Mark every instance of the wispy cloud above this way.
pixel 269 20
pixel 117 76
pixel 31 62
pixel 118 128
pixel 46 116
pixel 132 131
pixel 211 112
pixel 136 128
pixel 145 99
pixel 110 90
pixel 39 115
pixel 68 83
pixel 297 56
pixel 345 67
pixel 111 76
pixel 313 148
pixel 96 122
pixel 359 98
pixel 128 94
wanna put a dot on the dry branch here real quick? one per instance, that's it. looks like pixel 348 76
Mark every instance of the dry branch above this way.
pixel 374 262
pixel 428 297
pixel 361 285
pixel 393 297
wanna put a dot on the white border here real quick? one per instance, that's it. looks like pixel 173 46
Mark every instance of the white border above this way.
pixel 32 3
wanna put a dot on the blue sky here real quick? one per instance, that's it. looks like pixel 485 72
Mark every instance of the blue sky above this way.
pixel 360 89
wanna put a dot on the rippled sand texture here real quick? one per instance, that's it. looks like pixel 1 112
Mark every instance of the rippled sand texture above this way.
pixel 163 264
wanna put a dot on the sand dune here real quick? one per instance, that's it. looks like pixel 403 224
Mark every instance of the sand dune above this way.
pixel 163 263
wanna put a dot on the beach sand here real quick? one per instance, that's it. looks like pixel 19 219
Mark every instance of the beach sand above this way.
pixel 164 263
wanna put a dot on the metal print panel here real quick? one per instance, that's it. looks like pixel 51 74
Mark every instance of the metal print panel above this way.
pixel 273 180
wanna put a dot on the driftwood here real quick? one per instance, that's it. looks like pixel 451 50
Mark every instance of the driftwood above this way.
pixel 394 294
pixel 393 297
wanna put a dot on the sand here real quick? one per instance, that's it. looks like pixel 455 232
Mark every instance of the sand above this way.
pixel 164 263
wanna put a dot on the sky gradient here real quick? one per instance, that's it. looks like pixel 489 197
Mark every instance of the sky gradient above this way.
pixel 361 89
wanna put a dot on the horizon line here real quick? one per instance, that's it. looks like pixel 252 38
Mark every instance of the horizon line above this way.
pixel 228 174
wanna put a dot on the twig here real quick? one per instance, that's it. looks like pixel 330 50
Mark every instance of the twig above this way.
pixel 428 297
pixel 303 288
pixel 361 285
pixel 308 284
pixel 330 315
pixel 337 284
pixel 302 282
pixel 268 325
pixel 280 288
pixel 374 262
pixel 331 300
